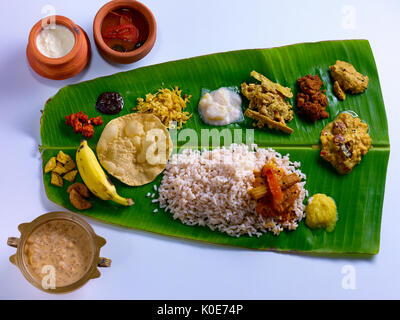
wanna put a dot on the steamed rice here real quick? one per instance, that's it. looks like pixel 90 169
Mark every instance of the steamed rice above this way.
pixel 209 188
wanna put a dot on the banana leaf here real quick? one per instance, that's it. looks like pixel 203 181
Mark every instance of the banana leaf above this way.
pixel 359 195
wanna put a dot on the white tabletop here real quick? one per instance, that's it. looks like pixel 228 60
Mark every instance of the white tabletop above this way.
pixel 148 266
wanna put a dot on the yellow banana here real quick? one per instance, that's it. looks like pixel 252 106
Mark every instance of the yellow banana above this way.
pixel 94 176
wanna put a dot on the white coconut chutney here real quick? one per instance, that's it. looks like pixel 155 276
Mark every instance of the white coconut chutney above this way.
pixel 55 41
pixel 221 107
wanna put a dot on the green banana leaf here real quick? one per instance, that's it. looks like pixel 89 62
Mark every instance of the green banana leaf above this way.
pixel 359 195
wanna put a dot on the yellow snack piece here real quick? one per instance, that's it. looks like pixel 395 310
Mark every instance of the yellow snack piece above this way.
pixel 50 165
pixel 59 169
pixel 56 180
pixel 339 93
pixel 70 176
pixel 321 212
pixel 69 165
pixel 63 158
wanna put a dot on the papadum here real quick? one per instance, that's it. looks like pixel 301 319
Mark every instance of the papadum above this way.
pixel 135 148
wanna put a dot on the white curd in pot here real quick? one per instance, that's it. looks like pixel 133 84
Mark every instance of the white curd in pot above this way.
pixel 55 41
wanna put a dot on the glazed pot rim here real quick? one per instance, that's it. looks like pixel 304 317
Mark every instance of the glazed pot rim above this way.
pixel 135 6
pixel 61 20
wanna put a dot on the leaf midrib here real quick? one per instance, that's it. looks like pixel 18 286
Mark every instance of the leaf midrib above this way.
pixel 283 146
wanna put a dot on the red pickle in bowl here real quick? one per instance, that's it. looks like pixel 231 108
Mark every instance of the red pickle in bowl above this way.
pixel 124 30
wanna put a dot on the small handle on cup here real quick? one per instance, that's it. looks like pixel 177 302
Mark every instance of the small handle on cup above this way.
pixel 13 242
pixel 104 262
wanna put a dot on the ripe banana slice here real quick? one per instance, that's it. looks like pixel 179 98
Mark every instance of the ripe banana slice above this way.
pixel 94 176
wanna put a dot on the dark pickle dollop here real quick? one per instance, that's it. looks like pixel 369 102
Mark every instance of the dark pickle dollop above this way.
pixel 110 103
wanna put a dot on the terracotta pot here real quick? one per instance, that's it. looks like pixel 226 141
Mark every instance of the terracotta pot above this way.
pixel 131 56
pixel 59 68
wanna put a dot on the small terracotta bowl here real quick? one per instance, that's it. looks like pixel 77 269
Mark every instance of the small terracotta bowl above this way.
pixel 131 56
pixel 59 68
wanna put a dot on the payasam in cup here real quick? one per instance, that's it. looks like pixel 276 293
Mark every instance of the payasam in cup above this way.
pixel 135 148
pixel 58 252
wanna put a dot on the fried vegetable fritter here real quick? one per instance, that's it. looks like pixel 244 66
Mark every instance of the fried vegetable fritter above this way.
pixel 347 79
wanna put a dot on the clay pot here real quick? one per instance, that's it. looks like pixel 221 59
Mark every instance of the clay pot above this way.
pixel 59 68
pixel 150 30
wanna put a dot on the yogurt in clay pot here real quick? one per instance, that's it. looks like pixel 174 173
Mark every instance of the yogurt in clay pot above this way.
pixel 59 50
pixel 55 41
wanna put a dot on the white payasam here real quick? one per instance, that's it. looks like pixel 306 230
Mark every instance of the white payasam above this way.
pixel 221 107
pixel 211 189
pixel 55 41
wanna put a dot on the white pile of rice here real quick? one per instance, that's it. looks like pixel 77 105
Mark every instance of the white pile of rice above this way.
pixel 210 189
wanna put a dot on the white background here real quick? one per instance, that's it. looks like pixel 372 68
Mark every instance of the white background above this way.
pixel 147 266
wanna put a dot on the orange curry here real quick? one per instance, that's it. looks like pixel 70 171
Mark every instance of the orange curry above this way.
pixel 275 192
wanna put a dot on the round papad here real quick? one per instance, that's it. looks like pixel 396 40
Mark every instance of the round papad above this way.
pixel 134 148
